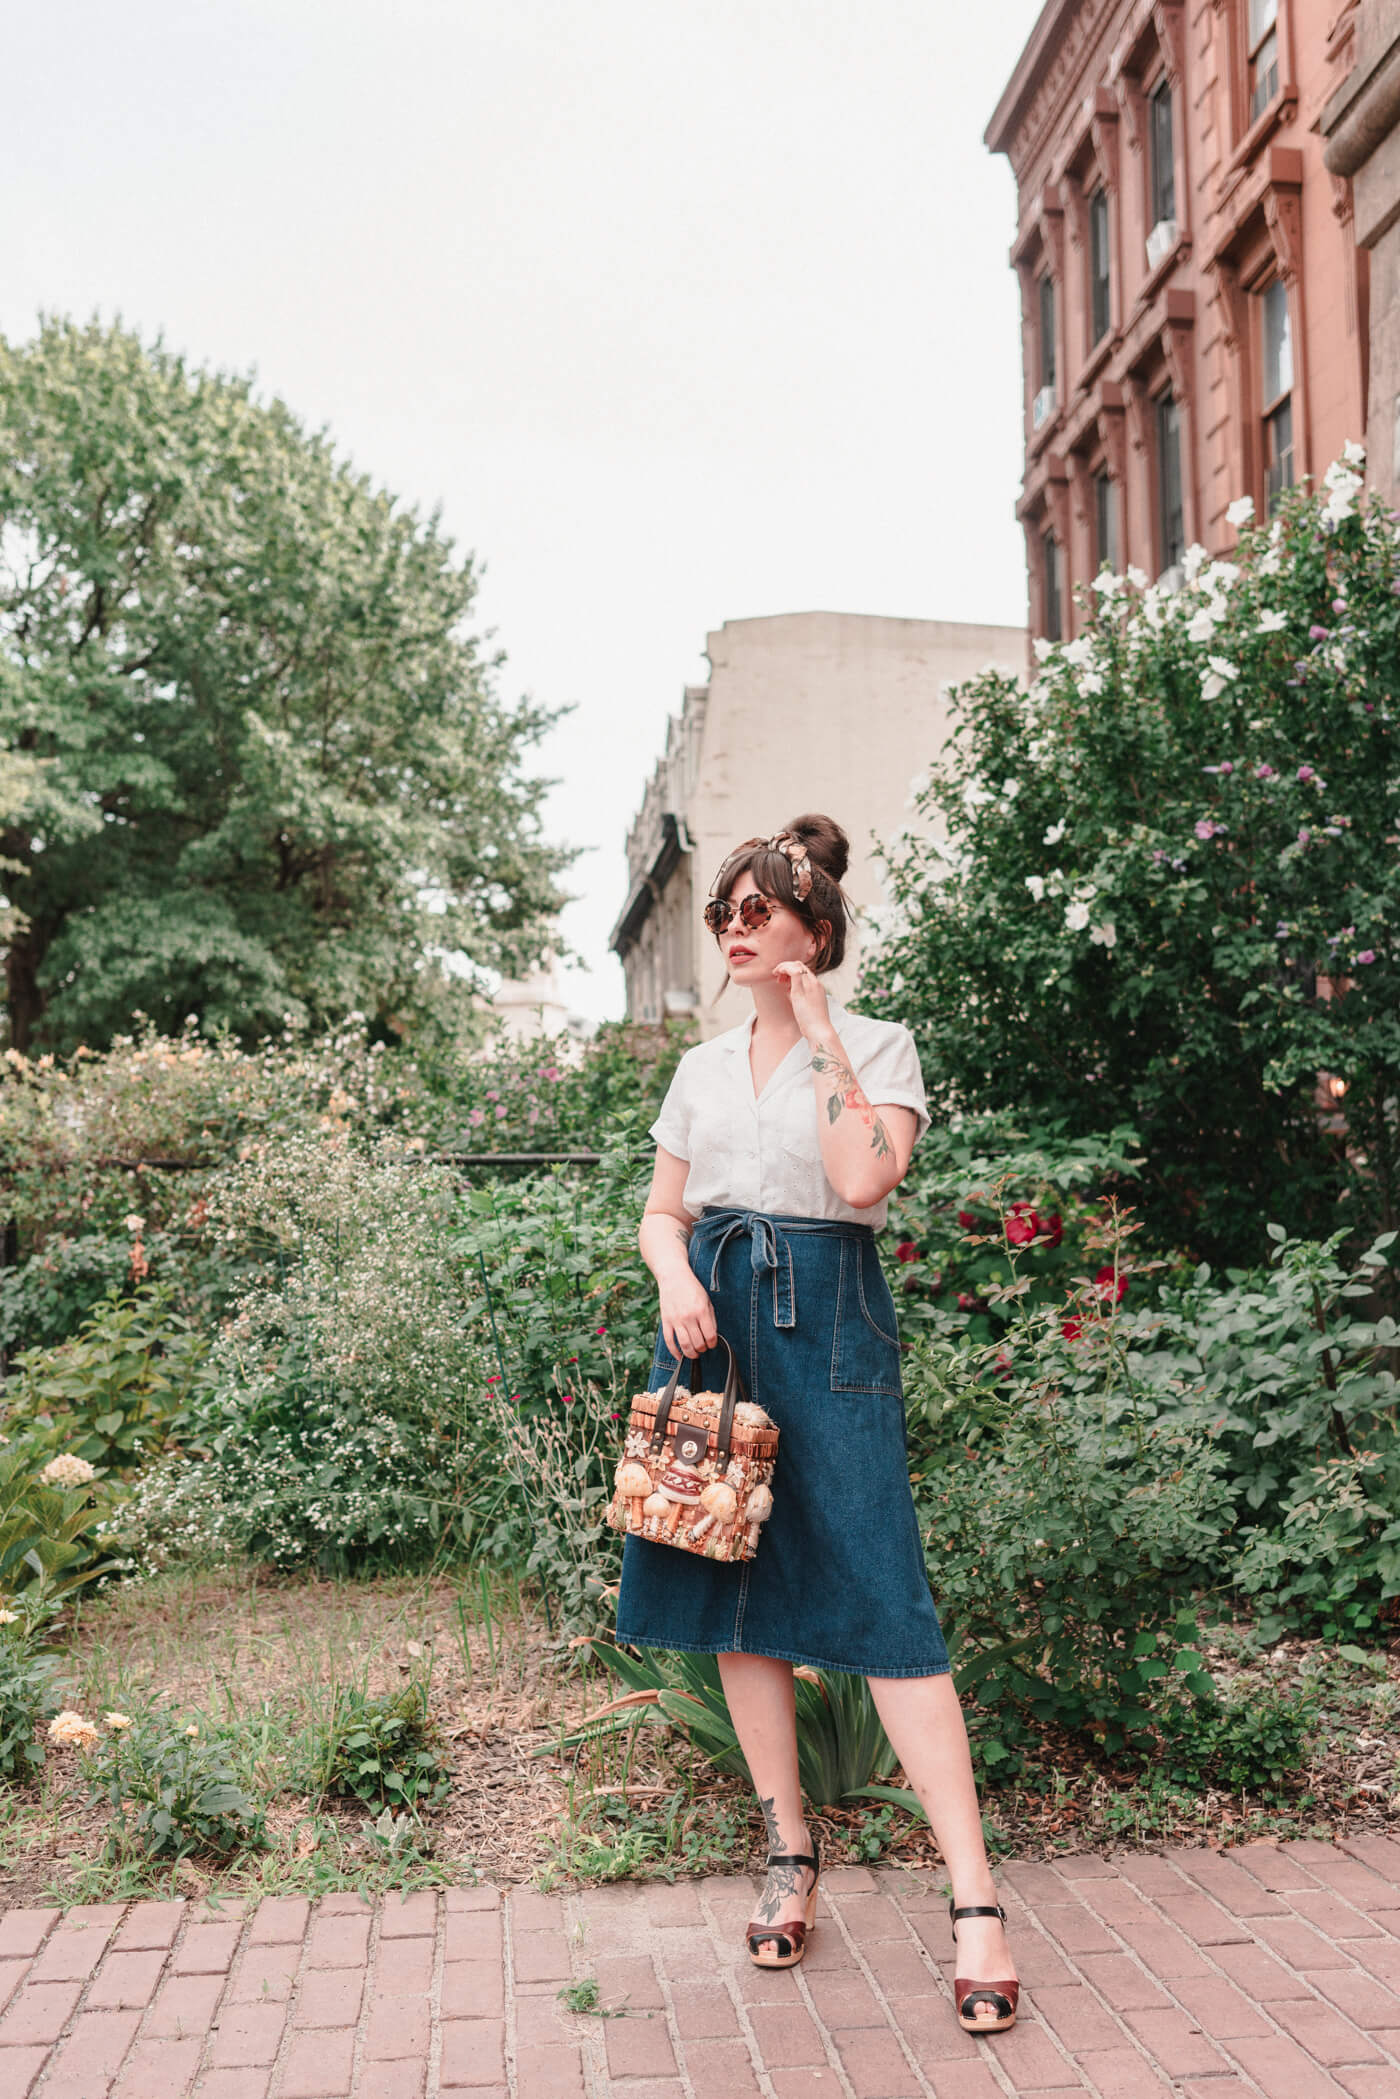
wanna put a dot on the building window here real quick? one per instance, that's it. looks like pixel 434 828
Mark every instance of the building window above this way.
pixel 1054 588
pixel 1159 132
pixel 1262 55
pixel 1105 523
pixel 1277 391
pixel 1171 528
pixel 1047 332
pixel 1099 289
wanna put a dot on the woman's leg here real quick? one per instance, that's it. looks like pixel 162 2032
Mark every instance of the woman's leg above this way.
pixel 924 1722
pixel 758 1691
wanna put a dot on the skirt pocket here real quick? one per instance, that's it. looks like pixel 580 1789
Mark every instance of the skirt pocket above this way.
pixel 865 1344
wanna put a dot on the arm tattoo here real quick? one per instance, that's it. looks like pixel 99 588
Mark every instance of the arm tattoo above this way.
pixel 849 1094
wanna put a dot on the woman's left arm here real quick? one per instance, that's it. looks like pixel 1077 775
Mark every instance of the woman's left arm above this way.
pixel 865 1151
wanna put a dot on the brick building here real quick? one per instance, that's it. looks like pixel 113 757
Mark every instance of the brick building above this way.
pixel 1194 303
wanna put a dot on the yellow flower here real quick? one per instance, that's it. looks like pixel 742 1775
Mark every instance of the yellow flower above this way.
pixel 191 1729
pixel 117 1721
pixel 70 1731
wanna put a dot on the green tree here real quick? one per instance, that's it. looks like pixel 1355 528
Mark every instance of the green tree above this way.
pixel 1168 892
pixel 265 768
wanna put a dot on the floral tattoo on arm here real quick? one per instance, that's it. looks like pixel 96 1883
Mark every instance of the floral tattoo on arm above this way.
pixel 848 1093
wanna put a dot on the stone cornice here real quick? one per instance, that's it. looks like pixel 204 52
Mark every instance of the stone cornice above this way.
pixel 1067 33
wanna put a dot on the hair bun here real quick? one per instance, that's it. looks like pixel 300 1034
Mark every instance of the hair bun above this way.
pixel 827 845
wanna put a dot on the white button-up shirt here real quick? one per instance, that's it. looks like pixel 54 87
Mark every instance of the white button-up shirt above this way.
pixel 763 1152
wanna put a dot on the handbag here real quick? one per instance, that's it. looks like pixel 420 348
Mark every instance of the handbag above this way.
pixel 697 1467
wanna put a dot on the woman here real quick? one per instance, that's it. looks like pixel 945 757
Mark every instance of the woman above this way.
pixel 777 1147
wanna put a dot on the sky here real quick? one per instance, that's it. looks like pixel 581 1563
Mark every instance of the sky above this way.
pixel 678 312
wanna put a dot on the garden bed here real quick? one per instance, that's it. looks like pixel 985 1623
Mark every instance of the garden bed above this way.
pixel 269 1658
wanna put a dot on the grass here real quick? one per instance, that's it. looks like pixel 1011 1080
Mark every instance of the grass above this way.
pixel 273 1658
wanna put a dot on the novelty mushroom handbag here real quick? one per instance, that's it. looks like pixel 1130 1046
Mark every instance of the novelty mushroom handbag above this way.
pixel 697 1468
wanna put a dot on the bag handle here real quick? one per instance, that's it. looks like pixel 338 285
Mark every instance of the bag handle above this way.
pixel 733 1393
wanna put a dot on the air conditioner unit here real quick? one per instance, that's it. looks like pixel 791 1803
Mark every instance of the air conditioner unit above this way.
pixel 1160 241
pixel 1042 407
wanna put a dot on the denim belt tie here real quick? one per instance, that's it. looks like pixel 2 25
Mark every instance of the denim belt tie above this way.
pixel 768 1248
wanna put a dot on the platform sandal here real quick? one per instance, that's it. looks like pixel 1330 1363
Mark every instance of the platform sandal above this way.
pixel 791 1937
pixel 1002 1996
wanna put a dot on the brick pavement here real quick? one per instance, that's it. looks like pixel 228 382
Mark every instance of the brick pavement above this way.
pixel 1265 1972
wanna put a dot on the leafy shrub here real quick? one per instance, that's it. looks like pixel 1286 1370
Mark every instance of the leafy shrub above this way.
pixel 1066 1529
pixel 380 1749
pixel 172 1789
pixel 553 1095
pixel 50 1535
pixel 116 1392
pixel 29 1697
pixel 1254 1741
pixel 1164 891
pixel 1332 1565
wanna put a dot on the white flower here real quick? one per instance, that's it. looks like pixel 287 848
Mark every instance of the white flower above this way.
pixel 1270 563
pixel 1273 621
pixel 1091 682
pixel 1217 677
pixel 1339 506
pixel 1042 647
pixel 67 1470
pixel 191 1729
pixel 1217 579
pixel 1055 833
pixel 1076 917
pixel 134 1223
pixel 1138 578
pixel 9 1617
pixel 1036 886
pixel 1079 651
pixel 1107 584
pixel 1193 561
pixel 974 794
pixel 1086 891
pixel 1105 935
pixel 1353 453
pixel 117 1721
pixel 1202 623
pixel 1240 512
pixel 1010 789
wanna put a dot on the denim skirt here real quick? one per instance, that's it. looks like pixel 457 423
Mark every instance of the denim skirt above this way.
pixel 838 1581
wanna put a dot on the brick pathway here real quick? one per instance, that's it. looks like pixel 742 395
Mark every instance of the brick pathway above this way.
pixel 1267 1970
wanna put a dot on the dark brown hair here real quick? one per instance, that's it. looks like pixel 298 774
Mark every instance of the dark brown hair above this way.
pixel 829 850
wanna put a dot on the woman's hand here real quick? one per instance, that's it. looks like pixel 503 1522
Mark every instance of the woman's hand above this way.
pixel 809 1006
pixel 687 1315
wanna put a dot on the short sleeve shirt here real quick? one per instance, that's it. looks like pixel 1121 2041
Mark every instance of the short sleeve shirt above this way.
pixel 764 1153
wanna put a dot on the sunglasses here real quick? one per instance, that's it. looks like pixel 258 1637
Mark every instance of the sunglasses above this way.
pixel 754 911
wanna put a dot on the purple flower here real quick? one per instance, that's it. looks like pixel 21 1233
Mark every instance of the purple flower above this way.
pixel 1316 633
pixel 1264 772
pixel 1305 772
pixel 1339 604
pixel 1227 767
pixel 1370 706
pixel 1206 829
pixel 1368 954
pixel 1303 836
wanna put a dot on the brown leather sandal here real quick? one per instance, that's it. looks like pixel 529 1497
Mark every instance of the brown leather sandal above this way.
pixel 790 1938
pixel 1002 1996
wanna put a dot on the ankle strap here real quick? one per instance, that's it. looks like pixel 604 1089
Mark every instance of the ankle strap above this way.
pixel 794 1858
pixel 976 1910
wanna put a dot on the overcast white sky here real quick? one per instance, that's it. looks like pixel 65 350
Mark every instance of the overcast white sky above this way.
pixel 681 310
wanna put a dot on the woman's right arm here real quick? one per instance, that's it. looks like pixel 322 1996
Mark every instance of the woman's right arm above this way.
pixel 687 1315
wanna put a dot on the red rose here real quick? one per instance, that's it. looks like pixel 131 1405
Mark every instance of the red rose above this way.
pixel 1053 1228
pixel 1072 1328
pixel 907 1251
pixel 1020 1224
pixel 1103 1283
pixel 966 1220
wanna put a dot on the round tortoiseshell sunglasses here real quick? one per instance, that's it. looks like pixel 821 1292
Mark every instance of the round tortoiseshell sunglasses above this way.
pixel 754 911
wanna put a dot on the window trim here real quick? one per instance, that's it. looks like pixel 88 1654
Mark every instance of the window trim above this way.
pixel 1099 205
pixel 1160 92
pixel 1161 402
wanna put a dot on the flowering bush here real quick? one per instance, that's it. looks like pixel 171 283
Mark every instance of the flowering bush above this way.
pixel 50 1528
pixel 336 1413
pixel 29 1695
pixel 1167 888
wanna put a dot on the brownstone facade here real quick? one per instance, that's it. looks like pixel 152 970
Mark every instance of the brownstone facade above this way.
pixel 1194 304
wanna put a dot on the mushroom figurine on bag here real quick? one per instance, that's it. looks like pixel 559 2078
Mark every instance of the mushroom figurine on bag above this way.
pixel 757 1509
pixel 681 1483
pixel 633 1483
pixel 721 1505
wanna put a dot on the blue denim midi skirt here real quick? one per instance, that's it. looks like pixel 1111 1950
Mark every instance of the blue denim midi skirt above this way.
pixel 839 1579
